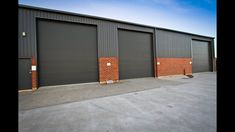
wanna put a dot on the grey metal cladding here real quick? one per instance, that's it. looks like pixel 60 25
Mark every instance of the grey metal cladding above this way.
pixel 107 39
pixel 169 43
pixel 26 44
pixel 173 45
pixel 107 36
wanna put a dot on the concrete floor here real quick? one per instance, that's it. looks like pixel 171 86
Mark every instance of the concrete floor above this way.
pixel 54 95
pixel 187 106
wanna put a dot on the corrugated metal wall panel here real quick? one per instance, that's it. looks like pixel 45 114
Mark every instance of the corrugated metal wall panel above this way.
pixel 20 27
pixel 21 40
pixel 107 31
pixel 107 39
pixel 169 44
pixel 33 34
pixel 25 45
pixel 173 45
pixel 155 45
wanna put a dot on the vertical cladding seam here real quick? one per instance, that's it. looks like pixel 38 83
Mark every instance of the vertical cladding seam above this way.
pixel 105 40
pixel 171 44
pixel 106 34
pixel 35 34
pixel 20 28
pixel 116 36
pixel 108 40
pixel 23 40
pixel 32 33
pixel 98 40
pixel 27 30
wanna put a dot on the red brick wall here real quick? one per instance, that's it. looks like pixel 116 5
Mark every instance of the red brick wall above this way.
pixel 34 74
pixel 173 66
pixel 108 72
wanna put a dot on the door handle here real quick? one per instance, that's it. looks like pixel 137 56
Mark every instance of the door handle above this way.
pixel 30 72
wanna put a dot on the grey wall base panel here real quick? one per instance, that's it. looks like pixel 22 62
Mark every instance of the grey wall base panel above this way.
pixel 24 74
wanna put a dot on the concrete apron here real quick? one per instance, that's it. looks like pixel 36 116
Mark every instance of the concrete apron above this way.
pixel 186 107
pixel 54 95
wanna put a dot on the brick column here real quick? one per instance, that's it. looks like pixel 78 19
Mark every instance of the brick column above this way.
pixel 34 73
pixel 108 70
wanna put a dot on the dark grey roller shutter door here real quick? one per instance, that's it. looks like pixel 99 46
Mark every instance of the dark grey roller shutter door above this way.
pixel 67 53
pixel 135 54
pixel 201 56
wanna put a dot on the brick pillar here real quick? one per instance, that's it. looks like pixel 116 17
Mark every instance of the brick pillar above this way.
pixel 108 70
pixel 34 73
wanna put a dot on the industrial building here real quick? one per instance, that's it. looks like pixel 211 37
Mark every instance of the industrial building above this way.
pixel 58 48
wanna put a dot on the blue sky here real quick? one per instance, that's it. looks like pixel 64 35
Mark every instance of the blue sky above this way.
pixel 193 16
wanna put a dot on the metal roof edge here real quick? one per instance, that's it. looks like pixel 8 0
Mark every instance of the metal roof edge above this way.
pixel 107 19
